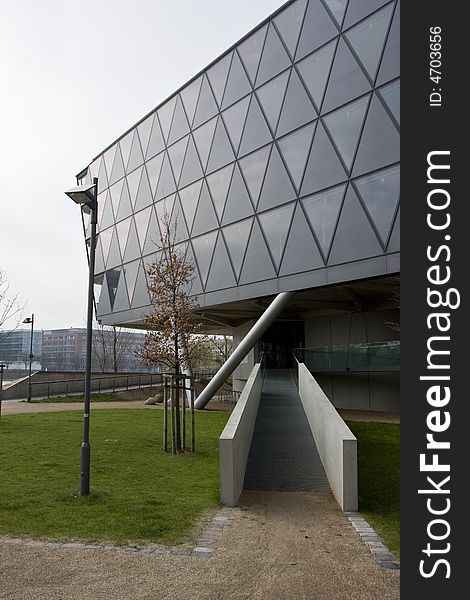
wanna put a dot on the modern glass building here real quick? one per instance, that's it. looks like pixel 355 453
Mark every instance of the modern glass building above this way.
pixel 280 165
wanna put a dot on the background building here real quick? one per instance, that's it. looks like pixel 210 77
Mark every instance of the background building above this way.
pixel 15 347
pixel 279 164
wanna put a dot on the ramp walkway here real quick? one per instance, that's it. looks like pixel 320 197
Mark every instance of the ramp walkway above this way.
pixel 283 455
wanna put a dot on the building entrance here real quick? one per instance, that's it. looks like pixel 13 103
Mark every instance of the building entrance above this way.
pixel 279 341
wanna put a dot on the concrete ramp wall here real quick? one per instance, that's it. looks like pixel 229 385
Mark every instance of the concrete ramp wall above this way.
pixel 335 442
pixel 235 440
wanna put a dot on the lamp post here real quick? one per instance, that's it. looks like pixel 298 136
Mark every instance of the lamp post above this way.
pixel 87 197
pixel 2 366
pixel 31 355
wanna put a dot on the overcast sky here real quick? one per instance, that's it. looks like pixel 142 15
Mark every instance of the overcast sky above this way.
pixel 73 77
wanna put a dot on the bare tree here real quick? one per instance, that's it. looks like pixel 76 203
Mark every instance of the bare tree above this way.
pixel 221 346
pixel 113 347
pixel 11 310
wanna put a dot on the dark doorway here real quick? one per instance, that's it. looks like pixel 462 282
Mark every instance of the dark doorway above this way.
pixel 279 341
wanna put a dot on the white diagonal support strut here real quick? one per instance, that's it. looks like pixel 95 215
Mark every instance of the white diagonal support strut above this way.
pixel 261 326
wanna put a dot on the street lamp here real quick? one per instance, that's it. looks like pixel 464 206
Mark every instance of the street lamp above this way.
pixel 31 355
pixel 87 197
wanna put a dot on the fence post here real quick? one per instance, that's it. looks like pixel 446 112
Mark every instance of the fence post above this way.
pixel 66 389
pixel 48 390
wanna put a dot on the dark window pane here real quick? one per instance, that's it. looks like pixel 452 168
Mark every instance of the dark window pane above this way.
pixel 250 52
pixel 253 168
pixel 380 142
pixel 294 149
pixel 165 114
pixel 380 192
pixel 203 138
pixel 323 167
pixel 345 127
pixel 179 125
pixel 236 238
pixel 275 225
pixel 271 96
pixel 298 108
pixel 390 67
pixel 238 205
pixel 234 119
pixel 347 81
pixel 189 97
pixel 237 84
pixel 217 75
pixel 275 58
pixel 203 249
pixel 337 8
pixel 221 152
pixel 192 167
pixel 205 218
pixel 218 185
pixel 289 22
pixel 206 106
pixel 257 265
pixel 301 253
pixel 256 131
pixel 277 187
pixel 358 9
pixel 315 70
pixel 221 273
pixel 156 143
pixel 176 154
pixel 189 197
pixel 391 94
pixel 136 158
pixel 112 279
pixel 368 37
pixel 318 28
pixel 322 211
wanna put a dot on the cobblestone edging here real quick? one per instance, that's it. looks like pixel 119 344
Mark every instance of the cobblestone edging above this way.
pixel 205 545
pixel 375 544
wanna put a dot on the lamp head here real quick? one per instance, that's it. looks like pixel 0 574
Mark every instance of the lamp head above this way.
pixel 84 195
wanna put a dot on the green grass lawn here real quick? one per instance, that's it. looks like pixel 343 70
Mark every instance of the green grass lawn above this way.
pixel 138 493
pixel 379 478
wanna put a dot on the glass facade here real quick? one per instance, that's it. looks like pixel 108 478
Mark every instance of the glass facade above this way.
pixel 282 158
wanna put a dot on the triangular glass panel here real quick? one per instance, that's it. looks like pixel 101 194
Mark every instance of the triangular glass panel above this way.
pixel 105 237
pixel 257 265
pixel 189 97
pixel 177 223
pixel 221 273
pixel 254 168
pixel 121 301
pixel 324 167
pixel 176 154
pixel 275 225
pixel 322 212
pixel 250 52
pixel 277 187
pixel 205 218
pixel 354 238
pixel 132 247
pixel 130 272
pixel 274 59
pixel 122 230
pixel 221 151
pixel 206 106
pixel 203 249
pixel 217 75
pixel 256 132
pixel 136 158
pixel 142 219
pixel 315 70
pixel 238 84
pixel 104 305
pixel 189 197
pixel 165 114
pixel 192 167
pixel 154 166
pixel 141 295
pixel 380 192
pixel 391 94
pixel 318 28
pixel 234 119
pixel 345 127
pixel 294 149
pixel 347 80
pixel 144 130
pixel 115 192
pixel 298 108
pixel 99 261
pixel 164 210
pixel 156 142
pixel 108 158
pixel 271 96
pixel 394 242
pixel 102 177
pixel 236 238
pixel 101 205
pixel 358 9
pixel 125 207
pixel 144 195
pixel 390 66
pixel 133 181
pixel 166 183
pixel 301 253
pixel 194 287
pixel 118 167
pixel 368 38
pixel 203 138
pixel 289 22
pixel 152 239
pixel 218 184
pixel 179 125
pixel 114 256
pixel 337 9
pixel 125 145
pixel 380 141
pixel 108 216
pixel 238 205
